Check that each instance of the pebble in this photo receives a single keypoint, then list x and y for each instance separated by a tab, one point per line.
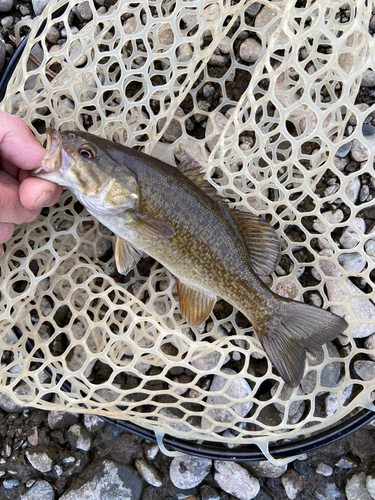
292	484
370	484
53	34
41	489
215	125
189	149
350	237
264	18
250	50
212	12
359	151
344	150
130	25
225	45
286	394
93	423
324	469
287	288
327	490
60	419
370	345
352	189
39	6
237	389
365	369
364	192
79	437
151	451
84	11
149	473
368	78
40	460
188	471
355	488
3	50
174	129
236	480
106	479
7	21
207	362
361	108
77	56
208	493
253	9
32	436
266	468
330	374
352	262
370	248
6	5
346	463
10	483
333	218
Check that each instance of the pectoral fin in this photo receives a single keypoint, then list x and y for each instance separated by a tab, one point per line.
126	256
151	227
195	304
261	241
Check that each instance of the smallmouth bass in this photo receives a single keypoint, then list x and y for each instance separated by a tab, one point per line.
177	218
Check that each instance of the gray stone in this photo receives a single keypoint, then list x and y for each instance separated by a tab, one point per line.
78	57
370	345
93	423
212	12
365	369
346	463
39	490
352	189
327	490
39	6
368	78
359	151
6	5
79	437
355	488
10	483
250	50
266	469
292	484
8	404
215	125
330	374
130	25
33	436
40	460
352	262
3	50
189	149
324	469
60	419
370	248
188	471
7	21
236	480
350	237
149	473
253	9
238	389
344	150
334	218
370	484
53	34
106	480
265	18
84	11
207	362
174	129
286	394
208	493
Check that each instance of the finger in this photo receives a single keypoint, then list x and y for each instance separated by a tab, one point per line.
11	209
6	232
37	193
17	144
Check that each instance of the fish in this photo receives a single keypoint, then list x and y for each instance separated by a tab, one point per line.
177	217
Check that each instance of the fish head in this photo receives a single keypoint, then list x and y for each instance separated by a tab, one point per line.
73	160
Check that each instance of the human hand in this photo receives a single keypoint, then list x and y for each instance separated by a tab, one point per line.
21	196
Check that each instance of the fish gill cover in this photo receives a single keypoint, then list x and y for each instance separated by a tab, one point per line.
263	95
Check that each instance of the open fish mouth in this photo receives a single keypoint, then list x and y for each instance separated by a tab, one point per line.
52	160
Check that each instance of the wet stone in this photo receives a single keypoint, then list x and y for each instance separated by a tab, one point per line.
346	463
236	480
355	488
40	460
40	490
292	484
266	469
61	419
188	471
324	469
79	437
303	467
208	493
149	473
53	34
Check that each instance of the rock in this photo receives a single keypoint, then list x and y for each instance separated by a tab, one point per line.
352	189
184	52
7	404
333	218
93	423
189	149
350	237
292	484
188	471
287	288
352	262
106	480
253	9
3	51
250	50
324	469
79	437
53	34
327	490
40	460
370	484
84	11
331	403
236	480
208	493
368	78
130	25
207	362
212	12
355	488
370	345
6	6
174	129
60	419
330	374
32	436
78	57
41	489
238	389
7	22
225	45
264	18
359	151
215	125
346	463
149	473
286	394
370	248
266	468
344	150
166	35
365	369
39	6
10	483
151	451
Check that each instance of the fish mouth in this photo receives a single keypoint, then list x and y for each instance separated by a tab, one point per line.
52	160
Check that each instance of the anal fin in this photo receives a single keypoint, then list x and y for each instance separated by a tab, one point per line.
126	256
195	304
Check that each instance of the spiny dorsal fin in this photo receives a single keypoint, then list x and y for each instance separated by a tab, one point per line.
195	304
126	256
261	241
192	170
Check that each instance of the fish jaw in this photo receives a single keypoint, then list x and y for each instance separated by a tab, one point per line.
56	161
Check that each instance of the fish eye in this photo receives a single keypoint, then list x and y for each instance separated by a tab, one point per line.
87	153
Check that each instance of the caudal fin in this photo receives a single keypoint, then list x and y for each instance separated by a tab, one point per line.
293	328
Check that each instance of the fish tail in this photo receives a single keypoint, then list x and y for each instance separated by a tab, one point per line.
294	327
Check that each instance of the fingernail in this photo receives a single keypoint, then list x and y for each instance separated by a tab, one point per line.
43	199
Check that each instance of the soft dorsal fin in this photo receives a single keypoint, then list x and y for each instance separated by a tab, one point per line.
192	170
195	304
261	241
126	256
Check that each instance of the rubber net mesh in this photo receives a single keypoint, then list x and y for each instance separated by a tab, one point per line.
264	96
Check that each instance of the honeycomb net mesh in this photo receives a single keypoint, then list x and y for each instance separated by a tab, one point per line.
272	134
